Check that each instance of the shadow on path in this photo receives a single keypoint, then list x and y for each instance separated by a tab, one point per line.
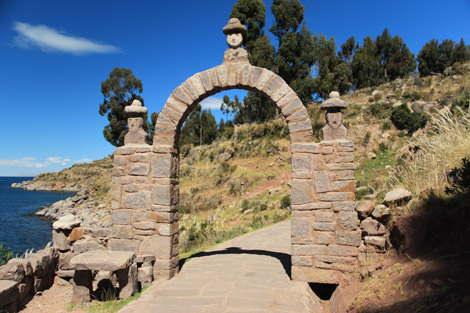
284	258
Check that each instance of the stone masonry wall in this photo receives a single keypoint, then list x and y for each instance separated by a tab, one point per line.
325	234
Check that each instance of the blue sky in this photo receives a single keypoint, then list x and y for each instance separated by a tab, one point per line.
55	54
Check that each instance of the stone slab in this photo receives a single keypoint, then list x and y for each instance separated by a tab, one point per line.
102	260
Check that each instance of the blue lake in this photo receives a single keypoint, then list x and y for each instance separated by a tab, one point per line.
20	230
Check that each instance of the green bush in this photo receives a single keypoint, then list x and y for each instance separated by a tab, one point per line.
459	179
285	202
5	255
404	119
381	109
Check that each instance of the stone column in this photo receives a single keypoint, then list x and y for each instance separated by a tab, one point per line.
325	233
131	189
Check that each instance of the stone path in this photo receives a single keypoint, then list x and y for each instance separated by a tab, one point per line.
246	274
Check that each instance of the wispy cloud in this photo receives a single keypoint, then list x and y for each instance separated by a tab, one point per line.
212	103
33	163
49	39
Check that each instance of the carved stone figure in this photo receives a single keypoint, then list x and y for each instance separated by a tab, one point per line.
235	32
136	133
334	128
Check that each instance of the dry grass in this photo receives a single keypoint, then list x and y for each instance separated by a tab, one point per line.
440	149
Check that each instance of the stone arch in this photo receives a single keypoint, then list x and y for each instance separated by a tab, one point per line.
231	76
325	237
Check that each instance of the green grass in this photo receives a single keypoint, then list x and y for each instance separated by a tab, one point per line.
112	305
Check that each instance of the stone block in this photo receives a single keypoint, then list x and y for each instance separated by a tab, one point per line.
25	289
28	269
302	125
146	225
167	229
65	273
119	161
102	260
8	293
138	200
145	275
343	206
344	158
323	237
60	240
292	107
160	246
317	275
335	259
337	196
76	234
348	219
123	245
138	169
302	260
180	94
301	227
309	249
206	80
190	89
311	148
324	226
335	266
166	264
164	165
301	137
121	217
82	283
302	162
121	232
343	186
131	188
364	208
341	166
341	250
277	89
124	150
12	271
322	182
86	245
377	241
165	195
324	216
222	75
311	206
372	227
302	191
348	237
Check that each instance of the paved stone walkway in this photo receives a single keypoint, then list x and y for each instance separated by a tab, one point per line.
245	274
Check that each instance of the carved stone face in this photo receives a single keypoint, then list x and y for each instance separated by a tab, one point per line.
135	123
334	120
234	40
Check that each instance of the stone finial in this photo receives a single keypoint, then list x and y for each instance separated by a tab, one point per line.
135	122
235	32
334	128
136	108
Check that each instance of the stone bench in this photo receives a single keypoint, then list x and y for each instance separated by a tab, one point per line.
120	262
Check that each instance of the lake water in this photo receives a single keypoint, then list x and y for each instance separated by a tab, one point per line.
20	230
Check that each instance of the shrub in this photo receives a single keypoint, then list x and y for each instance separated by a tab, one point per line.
5	255
459	179
366	139
386	126
285	202
404	119
381	109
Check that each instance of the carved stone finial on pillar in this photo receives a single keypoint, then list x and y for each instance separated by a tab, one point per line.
136	134
235	32
334	128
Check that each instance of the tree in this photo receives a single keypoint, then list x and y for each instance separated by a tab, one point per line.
462	52
365	66
200	128
288	15
251	13
428	58
119	90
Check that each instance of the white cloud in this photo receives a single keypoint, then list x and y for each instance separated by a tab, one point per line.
51	40
212	103
31	162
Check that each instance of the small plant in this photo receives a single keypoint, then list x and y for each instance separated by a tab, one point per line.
5	254
366	139
386	126
383	147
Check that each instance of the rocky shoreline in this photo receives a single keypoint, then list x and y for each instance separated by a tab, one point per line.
83	205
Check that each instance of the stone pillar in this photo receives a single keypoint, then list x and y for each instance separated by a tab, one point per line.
325	233
131	191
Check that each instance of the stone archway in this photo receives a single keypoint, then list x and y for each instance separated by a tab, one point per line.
325	236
